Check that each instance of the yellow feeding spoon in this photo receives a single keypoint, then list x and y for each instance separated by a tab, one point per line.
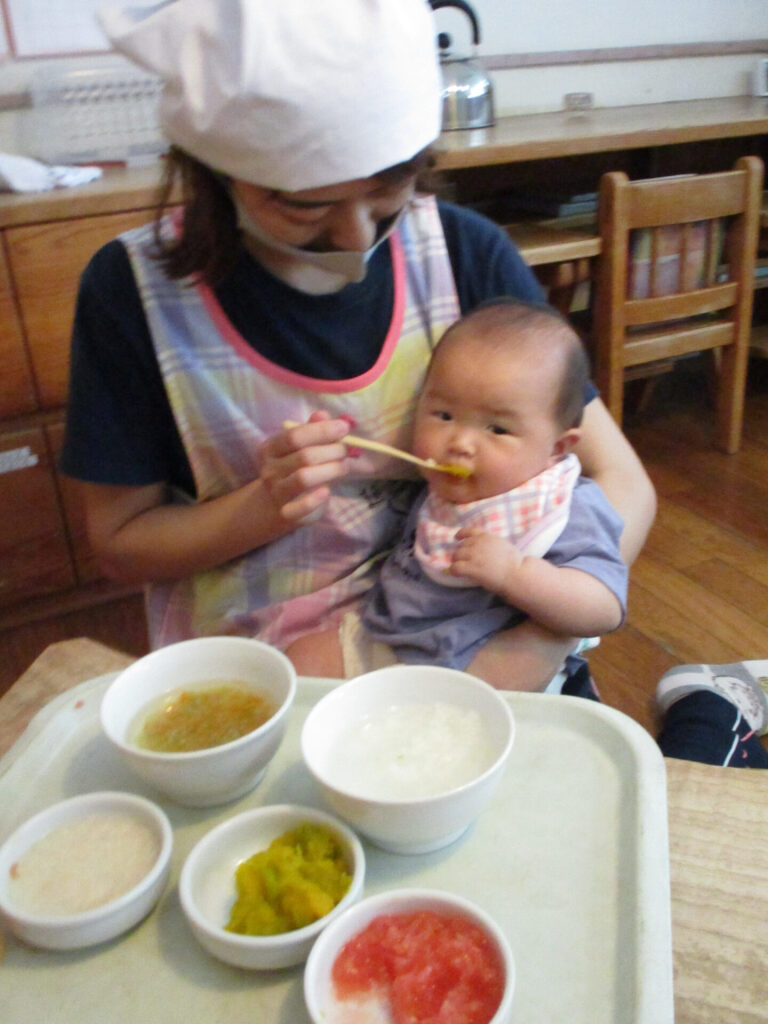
385	449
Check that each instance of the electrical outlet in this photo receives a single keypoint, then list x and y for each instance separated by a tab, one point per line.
579	100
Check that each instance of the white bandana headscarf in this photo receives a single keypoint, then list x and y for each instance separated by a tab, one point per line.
532	516
290	94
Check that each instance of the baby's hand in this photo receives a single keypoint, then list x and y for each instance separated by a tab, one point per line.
485	559
299	462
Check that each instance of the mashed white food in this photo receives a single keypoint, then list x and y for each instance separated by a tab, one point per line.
83	865
411	751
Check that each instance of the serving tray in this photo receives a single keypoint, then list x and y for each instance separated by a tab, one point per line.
571	859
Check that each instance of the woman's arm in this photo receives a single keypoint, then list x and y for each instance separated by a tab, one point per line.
139	535
609	459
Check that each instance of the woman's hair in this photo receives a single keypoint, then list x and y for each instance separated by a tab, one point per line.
507	322
207	243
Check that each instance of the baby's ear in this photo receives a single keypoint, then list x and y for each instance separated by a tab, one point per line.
565	443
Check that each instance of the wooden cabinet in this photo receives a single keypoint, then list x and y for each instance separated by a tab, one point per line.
35	556
45	242
47	261
17	395
86	570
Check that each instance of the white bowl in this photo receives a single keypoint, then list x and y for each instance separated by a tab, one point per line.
318	987
347	738
214	775
207	885
57	930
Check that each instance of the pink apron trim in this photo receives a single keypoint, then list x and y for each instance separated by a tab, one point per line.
298	380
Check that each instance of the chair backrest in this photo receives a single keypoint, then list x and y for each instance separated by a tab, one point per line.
676	276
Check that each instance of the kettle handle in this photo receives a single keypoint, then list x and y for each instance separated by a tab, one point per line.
462	6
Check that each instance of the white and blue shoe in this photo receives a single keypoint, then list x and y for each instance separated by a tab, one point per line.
744	684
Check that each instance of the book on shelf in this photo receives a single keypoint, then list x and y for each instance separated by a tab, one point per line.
674	258
544	203
553	204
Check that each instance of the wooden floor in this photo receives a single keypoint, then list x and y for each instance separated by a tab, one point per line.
698	592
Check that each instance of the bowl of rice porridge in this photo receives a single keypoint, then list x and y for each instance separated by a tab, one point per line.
409	755
84	870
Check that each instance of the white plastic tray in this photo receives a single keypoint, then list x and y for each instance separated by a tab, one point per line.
571	859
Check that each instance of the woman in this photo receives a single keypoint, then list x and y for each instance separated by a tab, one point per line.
307	281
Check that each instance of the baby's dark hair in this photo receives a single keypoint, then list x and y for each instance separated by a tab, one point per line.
509	321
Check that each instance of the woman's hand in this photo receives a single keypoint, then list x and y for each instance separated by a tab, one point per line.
299	463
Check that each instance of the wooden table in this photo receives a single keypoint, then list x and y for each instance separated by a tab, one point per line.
718	822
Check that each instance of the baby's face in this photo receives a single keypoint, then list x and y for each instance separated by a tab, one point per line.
490	411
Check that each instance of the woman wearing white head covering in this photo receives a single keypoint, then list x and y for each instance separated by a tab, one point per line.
306	280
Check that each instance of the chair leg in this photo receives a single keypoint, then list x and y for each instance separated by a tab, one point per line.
731	386
649	387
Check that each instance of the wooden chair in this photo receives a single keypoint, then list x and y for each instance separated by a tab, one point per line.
676	276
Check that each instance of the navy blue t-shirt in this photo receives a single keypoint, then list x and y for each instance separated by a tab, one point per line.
120	428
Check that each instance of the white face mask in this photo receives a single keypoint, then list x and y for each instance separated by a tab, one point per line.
316	273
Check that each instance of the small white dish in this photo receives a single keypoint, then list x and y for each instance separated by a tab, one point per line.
213	775
98	814
323	1005
364	748
207	885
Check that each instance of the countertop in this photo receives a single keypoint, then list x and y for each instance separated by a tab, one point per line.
570	133
718	824
511	139
119	188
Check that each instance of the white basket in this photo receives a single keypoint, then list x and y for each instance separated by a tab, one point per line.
97	115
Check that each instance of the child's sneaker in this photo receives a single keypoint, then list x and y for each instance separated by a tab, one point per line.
744	684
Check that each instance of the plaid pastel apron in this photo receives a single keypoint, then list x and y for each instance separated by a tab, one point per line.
227	399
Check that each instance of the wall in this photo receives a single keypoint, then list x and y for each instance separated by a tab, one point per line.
619	84
620	51
585	24
613	49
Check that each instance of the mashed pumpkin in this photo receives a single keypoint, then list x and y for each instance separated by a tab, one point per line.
299	878
198	719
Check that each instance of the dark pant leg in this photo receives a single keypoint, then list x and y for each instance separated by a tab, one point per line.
702	727
579	683
705	727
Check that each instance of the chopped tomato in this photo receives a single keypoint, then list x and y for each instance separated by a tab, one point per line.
431	968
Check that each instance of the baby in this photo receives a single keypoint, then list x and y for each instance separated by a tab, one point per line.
524	534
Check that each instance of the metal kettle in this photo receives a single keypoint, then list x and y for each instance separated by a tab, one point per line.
467	89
